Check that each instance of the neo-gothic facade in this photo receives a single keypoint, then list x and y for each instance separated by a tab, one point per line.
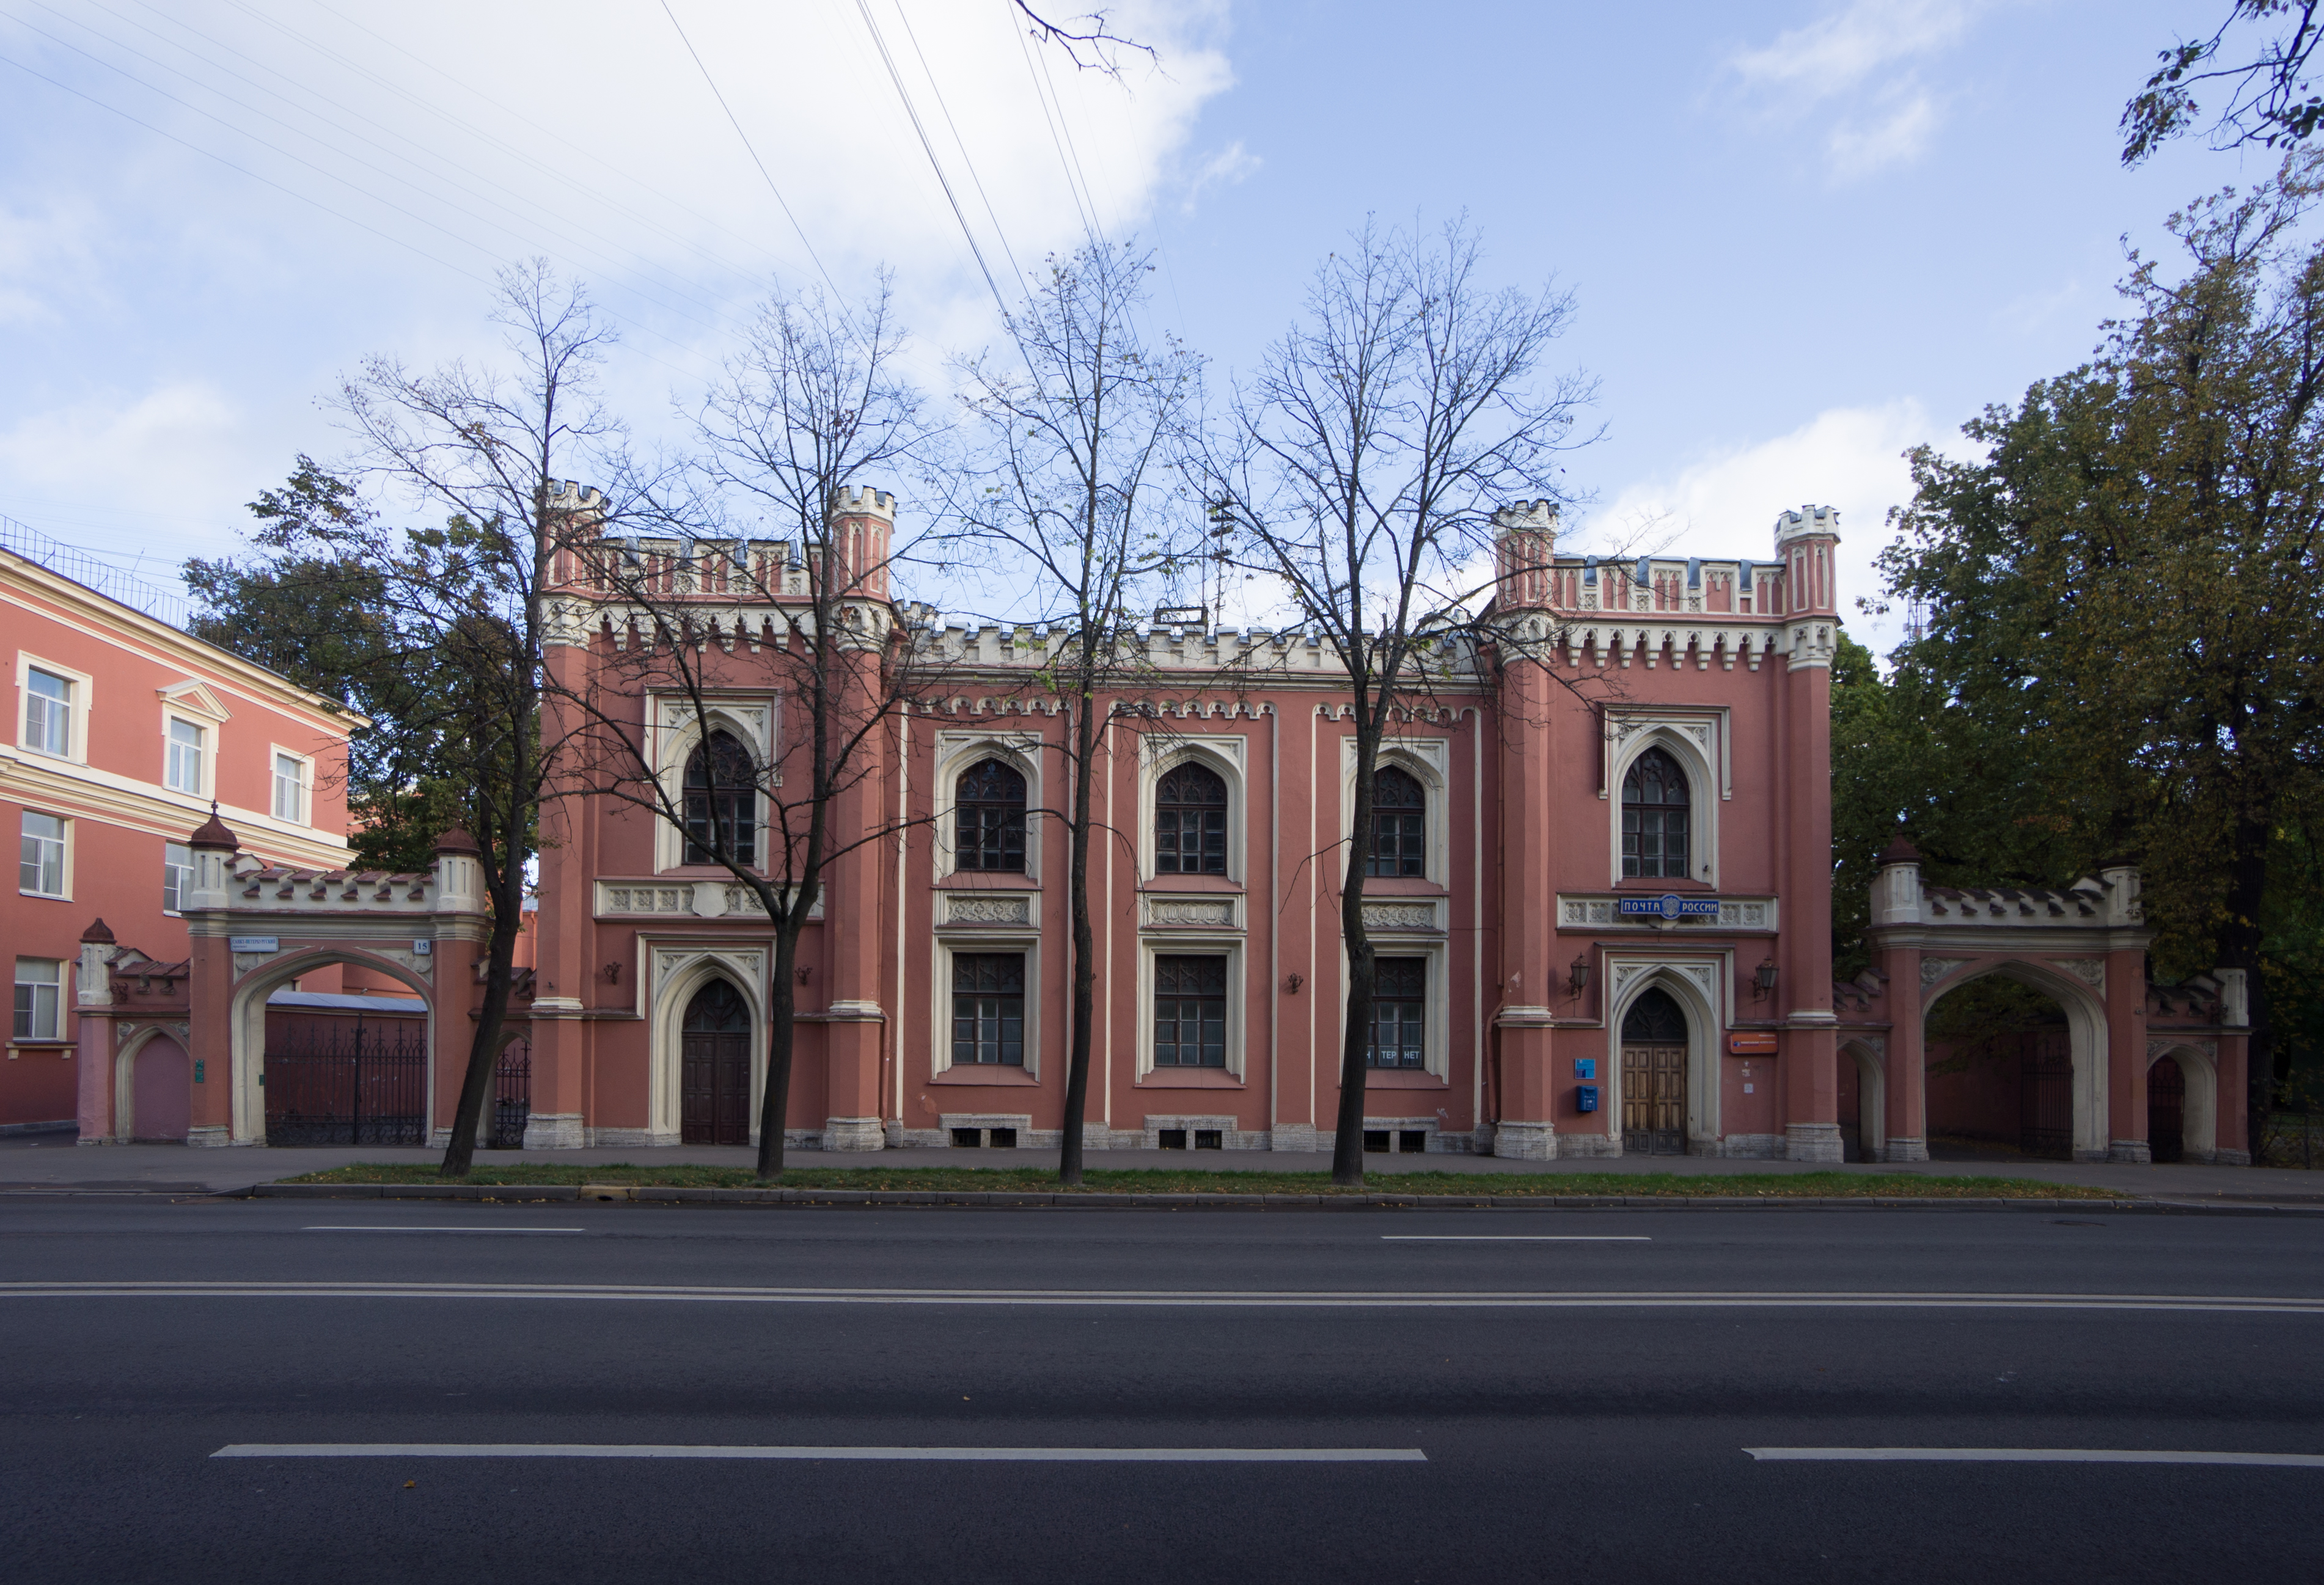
1600	881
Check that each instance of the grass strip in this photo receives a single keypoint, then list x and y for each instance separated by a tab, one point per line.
1169	1181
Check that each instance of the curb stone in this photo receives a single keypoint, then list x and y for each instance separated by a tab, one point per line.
1016	1199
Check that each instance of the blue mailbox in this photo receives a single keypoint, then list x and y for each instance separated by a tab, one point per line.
1585	1097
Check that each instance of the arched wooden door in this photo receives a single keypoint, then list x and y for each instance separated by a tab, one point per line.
714	1068
2167	1109
1653	1076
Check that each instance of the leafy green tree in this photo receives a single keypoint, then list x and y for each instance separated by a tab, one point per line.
2266	95
328	624
2123	643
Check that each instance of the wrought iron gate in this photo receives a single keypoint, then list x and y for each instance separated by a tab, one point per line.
2166	1110
2045	1093
512	1096
348	1083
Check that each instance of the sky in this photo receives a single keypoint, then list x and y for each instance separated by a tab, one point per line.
1803	234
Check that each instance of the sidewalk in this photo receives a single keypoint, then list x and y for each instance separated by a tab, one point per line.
31	1163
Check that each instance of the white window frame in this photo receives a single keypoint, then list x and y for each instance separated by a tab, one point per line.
1160	751
955	752
752	721
1693	740
1427	760
185	886
276	755
204	752
56	988
986	940
1191	943
64	841
78	687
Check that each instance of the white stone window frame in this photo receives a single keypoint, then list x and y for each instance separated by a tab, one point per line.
1193	943
275	754
1428	761
983	939
1699	740
65	869
679	970
956	752
754	721
193	704
1702	984
1160	752
80	692
1437	1032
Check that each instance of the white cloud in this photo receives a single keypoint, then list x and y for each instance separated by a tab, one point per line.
1724	502
1835	54
150	453
1229	166
1856	66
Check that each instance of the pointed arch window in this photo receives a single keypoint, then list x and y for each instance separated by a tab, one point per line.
989	829
1399	834
1190	822
1655	815
722	802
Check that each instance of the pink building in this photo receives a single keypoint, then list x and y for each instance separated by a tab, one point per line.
1601	890
123	732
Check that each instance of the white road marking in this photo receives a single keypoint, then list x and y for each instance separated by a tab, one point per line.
1006	1455
2022	1455
1516	1237
380	1228
1163	1298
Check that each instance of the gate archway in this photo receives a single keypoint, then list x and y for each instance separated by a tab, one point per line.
2084	947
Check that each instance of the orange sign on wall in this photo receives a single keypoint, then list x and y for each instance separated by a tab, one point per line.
1757	1043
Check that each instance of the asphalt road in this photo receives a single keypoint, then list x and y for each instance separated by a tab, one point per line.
1423	1395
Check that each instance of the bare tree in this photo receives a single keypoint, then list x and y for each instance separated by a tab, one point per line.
1075	487
772	578
1370	456
483	448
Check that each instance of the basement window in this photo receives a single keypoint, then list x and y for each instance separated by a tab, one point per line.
1004	1139
1375	1139
1412	1141
967	1138
1172	1138
1210	1140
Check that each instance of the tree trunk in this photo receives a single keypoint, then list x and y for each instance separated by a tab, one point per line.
1348	1140
1081	760
484	1048
782	1025
2239	948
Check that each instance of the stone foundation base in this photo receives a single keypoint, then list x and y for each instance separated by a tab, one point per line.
630	1139
1741	1148
854	1133
2231	1157
1906	1150
554	1131
1300	1137
2129	1150
1813	1142
213	1136
1586	1147
1520	1141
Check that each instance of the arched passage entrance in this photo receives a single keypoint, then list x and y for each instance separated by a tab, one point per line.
2083	947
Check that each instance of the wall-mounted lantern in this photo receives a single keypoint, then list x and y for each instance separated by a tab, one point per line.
1291	983
612	973
1764	978
1577	977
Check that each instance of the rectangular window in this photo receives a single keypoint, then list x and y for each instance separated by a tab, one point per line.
48	714
182	770
1190	1012
40	866
177	875
1400	1013
40	982
290	789
988	1008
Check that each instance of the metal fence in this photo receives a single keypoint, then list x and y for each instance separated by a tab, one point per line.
88	570
512	1096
